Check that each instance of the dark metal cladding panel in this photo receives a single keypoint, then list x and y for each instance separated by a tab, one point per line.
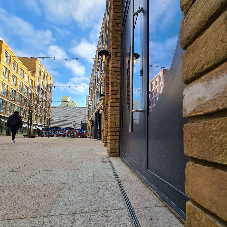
154	150
166	159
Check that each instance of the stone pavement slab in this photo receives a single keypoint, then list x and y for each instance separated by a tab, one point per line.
69	182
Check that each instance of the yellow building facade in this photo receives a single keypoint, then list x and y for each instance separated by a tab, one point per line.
25	85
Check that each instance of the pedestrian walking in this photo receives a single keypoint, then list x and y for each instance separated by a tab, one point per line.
14	123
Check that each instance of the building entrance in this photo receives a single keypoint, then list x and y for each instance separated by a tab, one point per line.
151	118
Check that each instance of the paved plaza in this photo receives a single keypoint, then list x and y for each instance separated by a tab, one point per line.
70	182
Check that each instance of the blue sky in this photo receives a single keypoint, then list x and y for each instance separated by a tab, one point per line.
56	28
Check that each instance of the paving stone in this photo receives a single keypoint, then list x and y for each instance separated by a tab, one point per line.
67	182
28	201
58	221
104	218
34	222
161	216
88	197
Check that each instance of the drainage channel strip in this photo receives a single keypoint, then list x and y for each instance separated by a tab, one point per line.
130	209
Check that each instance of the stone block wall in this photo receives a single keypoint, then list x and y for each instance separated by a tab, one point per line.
114	78
204	69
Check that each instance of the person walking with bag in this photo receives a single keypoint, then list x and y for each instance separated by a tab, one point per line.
14	123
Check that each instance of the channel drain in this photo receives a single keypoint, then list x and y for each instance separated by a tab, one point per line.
130	209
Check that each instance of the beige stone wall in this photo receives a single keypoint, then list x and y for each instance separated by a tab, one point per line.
110	80
114	78
204	70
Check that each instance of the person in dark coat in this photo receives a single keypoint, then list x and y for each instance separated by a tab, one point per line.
14	123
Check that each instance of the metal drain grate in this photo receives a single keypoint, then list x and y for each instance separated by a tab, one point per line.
130	209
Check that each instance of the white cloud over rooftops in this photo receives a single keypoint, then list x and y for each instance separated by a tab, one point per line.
77	68
56	51
84	50
74	88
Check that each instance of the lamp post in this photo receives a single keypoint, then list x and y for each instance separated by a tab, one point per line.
104	54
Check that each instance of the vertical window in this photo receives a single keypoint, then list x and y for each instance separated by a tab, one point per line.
37	89
26	77
24	102
20	85
35	118
46	77
11	108
156	82
40	110
19	97
160	78
43	74
41	101
21	73
40	118
38	70
161	88
15	66
5	73
49	80
4	90
41	83
14	80
152	85
30	93
31	83
36	98
23	113
25	90
38	80
2	105
7	57
12	94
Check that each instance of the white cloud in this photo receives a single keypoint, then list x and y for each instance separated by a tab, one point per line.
34	6
95	33
85	12
75	88
11	25
77	68
85	50
62	31
56	51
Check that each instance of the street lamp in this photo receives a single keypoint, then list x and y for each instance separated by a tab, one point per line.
104	54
